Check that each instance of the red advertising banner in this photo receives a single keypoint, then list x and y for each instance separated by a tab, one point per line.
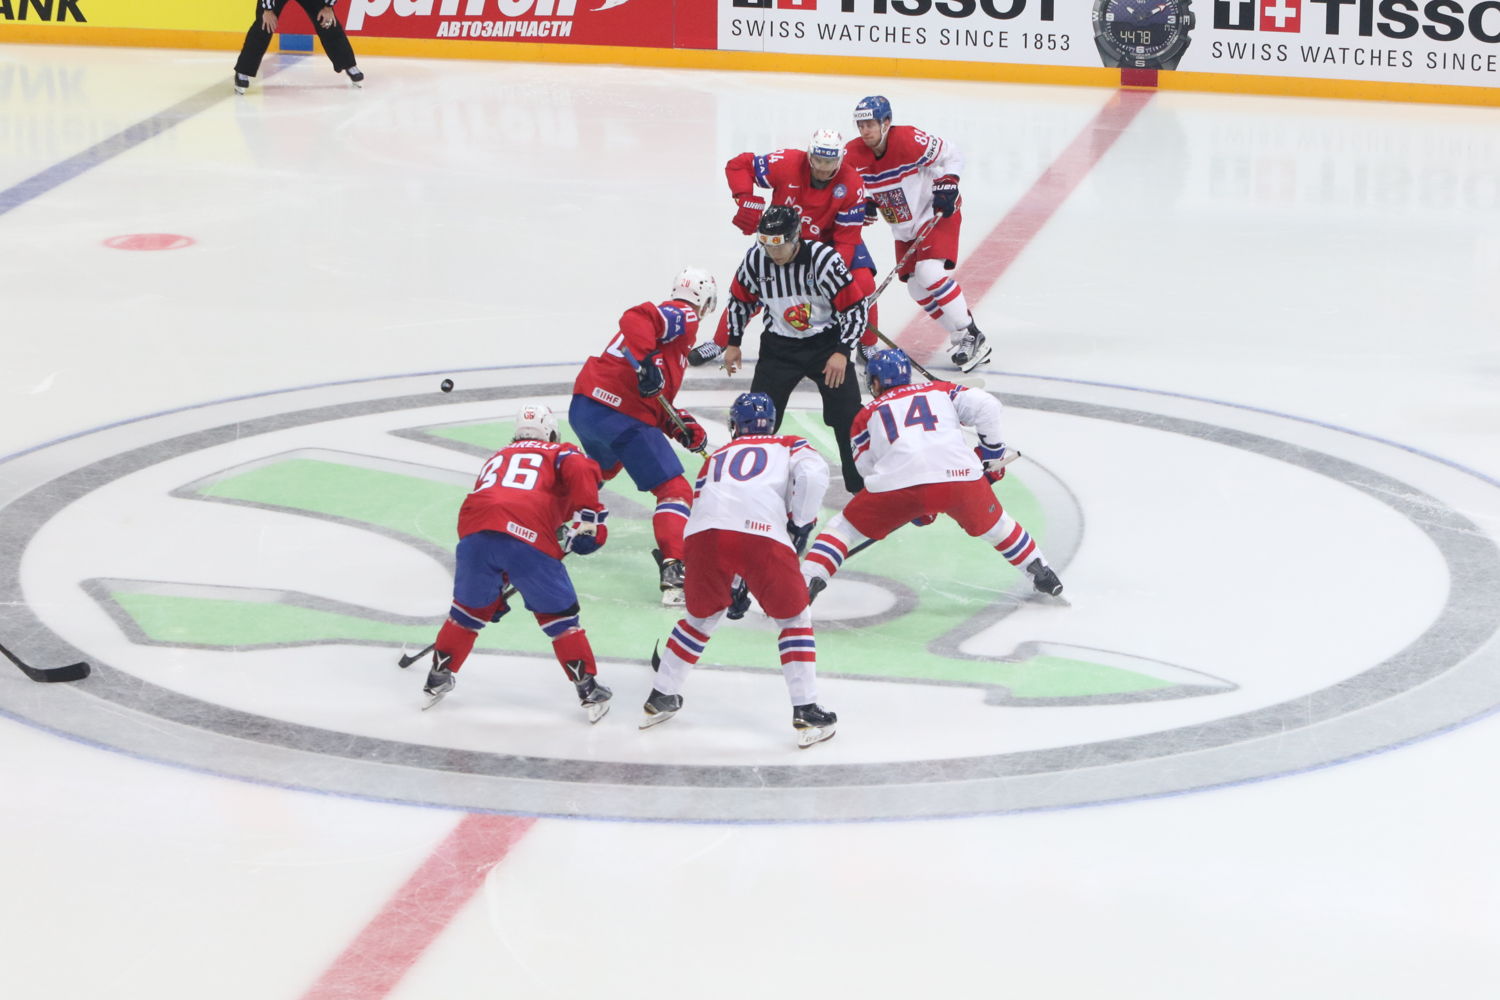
651	23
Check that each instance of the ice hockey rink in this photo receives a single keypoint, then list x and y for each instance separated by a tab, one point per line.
1248	347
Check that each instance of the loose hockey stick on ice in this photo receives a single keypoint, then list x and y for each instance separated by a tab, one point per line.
48	675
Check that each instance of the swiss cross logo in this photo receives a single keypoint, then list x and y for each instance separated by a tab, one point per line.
1280	15
799	316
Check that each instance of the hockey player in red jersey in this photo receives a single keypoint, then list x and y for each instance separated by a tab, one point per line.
756	501
911	178
508	531
827	193
619	418
910	447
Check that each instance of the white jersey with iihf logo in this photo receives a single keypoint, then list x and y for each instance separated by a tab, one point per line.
755	482
913	434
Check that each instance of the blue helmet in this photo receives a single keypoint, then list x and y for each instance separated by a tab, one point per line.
874	108
752	413
891	368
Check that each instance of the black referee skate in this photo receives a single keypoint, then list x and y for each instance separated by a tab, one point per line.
659	708
241	83
972	350
813	724
1043	579
356	77
594	697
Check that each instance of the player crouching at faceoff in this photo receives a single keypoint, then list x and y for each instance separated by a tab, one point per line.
755	504
622	410
910	447
508	530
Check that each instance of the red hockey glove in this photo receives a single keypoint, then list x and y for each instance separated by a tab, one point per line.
995	460
692	436
945	195
748	217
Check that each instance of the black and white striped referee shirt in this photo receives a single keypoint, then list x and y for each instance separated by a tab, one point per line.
803	298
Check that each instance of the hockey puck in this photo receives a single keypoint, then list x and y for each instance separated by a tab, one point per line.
447	385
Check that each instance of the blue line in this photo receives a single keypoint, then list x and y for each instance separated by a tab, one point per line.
121	142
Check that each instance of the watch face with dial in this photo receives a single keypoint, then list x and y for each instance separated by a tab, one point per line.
1142	32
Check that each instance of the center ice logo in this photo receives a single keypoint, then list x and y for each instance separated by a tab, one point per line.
1252	595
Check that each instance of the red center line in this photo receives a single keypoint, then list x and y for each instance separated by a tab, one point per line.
411	920
921	337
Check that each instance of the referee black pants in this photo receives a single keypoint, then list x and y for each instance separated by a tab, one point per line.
258	39
785	361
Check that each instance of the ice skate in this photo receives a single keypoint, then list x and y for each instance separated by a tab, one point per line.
440	681
659	708
813	724
1043	579
356	77
971	351
815	586
594	697
672	576
241	83
739	601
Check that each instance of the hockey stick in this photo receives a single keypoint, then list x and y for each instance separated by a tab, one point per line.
668	408
910	251
48	675
967	383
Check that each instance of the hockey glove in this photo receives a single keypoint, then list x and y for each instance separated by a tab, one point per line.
588	532
691	435
748	217
995	460
872	211
924	520
799	534
945	195
739	600
704	353
649	379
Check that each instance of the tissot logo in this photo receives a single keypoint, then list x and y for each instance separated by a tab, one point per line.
1001	10
243	576
1438	20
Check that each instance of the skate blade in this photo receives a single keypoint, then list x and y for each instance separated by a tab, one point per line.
647	721
673	598
597	711
979	359
808	737
433	699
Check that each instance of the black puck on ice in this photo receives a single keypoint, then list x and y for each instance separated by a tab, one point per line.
447	385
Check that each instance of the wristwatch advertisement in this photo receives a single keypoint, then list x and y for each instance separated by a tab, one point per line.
1142	34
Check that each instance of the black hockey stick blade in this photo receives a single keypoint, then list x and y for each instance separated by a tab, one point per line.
48	675
407	661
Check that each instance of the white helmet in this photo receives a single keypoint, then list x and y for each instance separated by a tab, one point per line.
826	144
535	422
697	286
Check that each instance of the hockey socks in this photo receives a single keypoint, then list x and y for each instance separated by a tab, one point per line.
799	657
570	644
669	520
1012	541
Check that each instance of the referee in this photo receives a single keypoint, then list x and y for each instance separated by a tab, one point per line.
815	316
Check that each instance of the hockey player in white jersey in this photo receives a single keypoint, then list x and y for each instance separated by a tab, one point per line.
910	448
754	506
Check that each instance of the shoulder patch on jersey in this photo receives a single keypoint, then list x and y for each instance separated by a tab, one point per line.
674	320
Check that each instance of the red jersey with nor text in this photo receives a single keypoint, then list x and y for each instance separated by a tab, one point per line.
528	489
832	214
667	330
900	179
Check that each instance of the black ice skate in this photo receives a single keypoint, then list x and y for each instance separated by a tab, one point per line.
815	586
356	77
594	697
659	708
440	680
813	724
241	83
1043	579
672	576
971	351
